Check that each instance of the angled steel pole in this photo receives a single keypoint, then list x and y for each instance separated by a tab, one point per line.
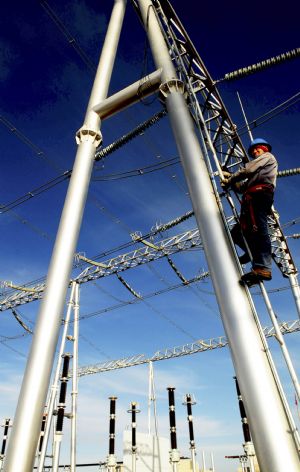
26	429
272	433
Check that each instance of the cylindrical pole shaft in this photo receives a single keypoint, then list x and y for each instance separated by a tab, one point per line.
25	433
295	290
54	387
279	337
269	423
245	118
74	392
149	396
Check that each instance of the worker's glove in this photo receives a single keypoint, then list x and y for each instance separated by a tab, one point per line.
225	182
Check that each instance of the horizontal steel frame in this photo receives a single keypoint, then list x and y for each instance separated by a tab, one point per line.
287	327
129	95
181	242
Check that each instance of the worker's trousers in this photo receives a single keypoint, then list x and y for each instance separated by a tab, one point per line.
254	229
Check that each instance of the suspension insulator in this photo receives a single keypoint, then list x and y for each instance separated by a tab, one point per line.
237	74
288	172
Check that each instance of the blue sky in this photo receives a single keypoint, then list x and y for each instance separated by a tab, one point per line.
45	86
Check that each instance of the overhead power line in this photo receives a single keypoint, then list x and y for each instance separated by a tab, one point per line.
138	172
70	39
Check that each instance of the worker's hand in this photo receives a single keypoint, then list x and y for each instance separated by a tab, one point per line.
225	181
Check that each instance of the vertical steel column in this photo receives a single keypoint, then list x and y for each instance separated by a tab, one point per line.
174	453
133	412
25	433
74	392
295	290
267	415
111	459
189	402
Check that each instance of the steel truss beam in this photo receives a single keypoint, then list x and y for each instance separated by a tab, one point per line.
181	242
286	327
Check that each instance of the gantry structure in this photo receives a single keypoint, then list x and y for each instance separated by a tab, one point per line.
208	144
196	347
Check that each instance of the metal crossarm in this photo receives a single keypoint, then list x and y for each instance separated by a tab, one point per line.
172	245
189	239
286	327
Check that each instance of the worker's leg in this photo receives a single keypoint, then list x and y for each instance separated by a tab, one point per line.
239	240
259	241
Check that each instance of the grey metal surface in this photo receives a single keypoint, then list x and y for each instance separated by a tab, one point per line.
129	95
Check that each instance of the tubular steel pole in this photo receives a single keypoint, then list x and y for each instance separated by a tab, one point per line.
111	460
26	429
189	402
74	392
295	290
279	337
174	453
267	414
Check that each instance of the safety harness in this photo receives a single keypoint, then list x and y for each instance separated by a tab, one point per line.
247	218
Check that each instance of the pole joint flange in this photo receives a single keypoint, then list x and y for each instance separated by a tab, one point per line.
84	134
173	85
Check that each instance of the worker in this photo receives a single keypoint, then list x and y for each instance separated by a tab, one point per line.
256	181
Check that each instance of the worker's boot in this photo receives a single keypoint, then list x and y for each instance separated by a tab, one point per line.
256	275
